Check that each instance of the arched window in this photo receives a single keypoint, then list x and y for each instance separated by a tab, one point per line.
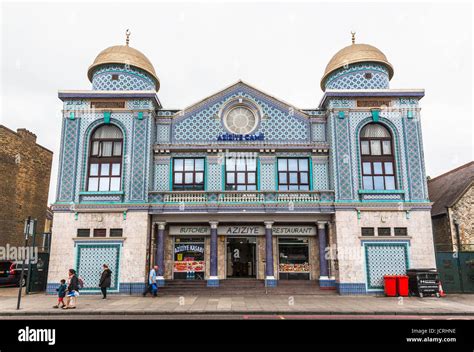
105	159
378	163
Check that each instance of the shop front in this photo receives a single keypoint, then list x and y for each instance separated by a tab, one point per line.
189	252
294	248
242	251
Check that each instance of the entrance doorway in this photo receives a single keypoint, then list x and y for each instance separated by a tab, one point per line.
241	255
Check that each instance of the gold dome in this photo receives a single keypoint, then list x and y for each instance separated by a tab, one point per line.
124	54
355	53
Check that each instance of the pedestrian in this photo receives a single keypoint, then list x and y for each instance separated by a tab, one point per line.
61	294
72	290
105	280
152	287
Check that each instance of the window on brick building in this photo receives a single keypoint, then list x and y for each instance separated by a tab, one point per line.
378	163
105	159
293	174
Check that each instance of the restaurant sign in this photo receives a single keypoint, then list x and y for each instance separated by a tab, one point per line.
281	230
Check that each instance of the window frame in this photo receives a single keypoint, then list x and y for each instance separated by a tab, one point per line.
382	158
107	160
299	184
190	186
233	186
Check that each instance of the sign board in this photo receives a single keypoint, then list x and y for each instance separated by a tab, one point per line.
242	230
290	230
187	230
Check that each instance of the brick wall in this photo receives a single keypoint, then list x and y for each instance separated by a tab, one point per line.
25	169
463	211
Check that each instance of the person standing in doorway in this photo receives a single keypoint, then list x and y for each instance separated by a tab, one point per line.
152	286
105	280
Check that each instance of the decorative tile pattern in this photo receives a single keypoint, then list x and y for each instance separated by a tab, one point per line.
140	155
267	176
318	132
384	259
344	288
163	133
281	124
68	163
397	197
161	179
343	159
89	261
417	177
129	78
354	77
139	104
214	177
101	198
320	176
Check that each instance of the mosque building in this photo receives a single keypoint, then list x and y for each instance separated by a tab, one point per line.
241	184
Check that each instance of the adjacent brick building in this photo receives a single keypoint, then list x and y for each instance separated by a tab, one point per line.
25	170
453	213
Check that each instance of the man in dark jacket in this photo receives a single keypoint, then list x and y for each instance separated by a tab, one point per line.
105	280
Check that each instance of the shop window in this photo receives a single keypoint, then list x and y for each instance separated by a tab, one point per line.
293	259
189	261
378	163
116	232
293	174
241	174
368	231
100	232
188	174
401	231
105	159
383	231
83	232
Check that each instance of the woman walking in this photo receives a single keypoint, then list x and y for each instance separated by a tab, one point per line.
105	280
72	290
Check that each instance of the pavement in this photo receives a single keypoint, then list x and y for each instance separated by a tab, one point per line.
40	304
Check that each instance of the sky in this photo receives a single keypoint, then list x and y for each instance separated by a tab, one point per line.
199	48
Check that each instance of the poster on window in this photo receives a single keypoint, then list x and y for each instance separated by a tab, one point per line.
189	257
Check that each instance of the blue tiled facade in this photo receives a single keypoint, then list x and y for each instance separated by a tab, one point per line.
327	136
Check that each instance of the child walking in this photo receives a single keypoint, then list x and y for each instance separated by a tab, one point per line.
61	294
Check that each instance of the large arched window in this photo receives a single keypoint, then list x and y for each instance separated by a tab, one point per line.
378	163
105	159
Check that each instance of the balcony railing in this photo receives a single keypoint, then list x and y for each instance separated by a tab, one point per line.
242	196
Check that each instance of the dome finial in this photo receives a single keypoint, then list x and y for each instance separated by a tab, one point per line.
353	37
127	34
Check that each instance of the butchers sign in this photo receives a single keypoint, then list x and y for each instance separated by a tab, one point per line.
189	230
